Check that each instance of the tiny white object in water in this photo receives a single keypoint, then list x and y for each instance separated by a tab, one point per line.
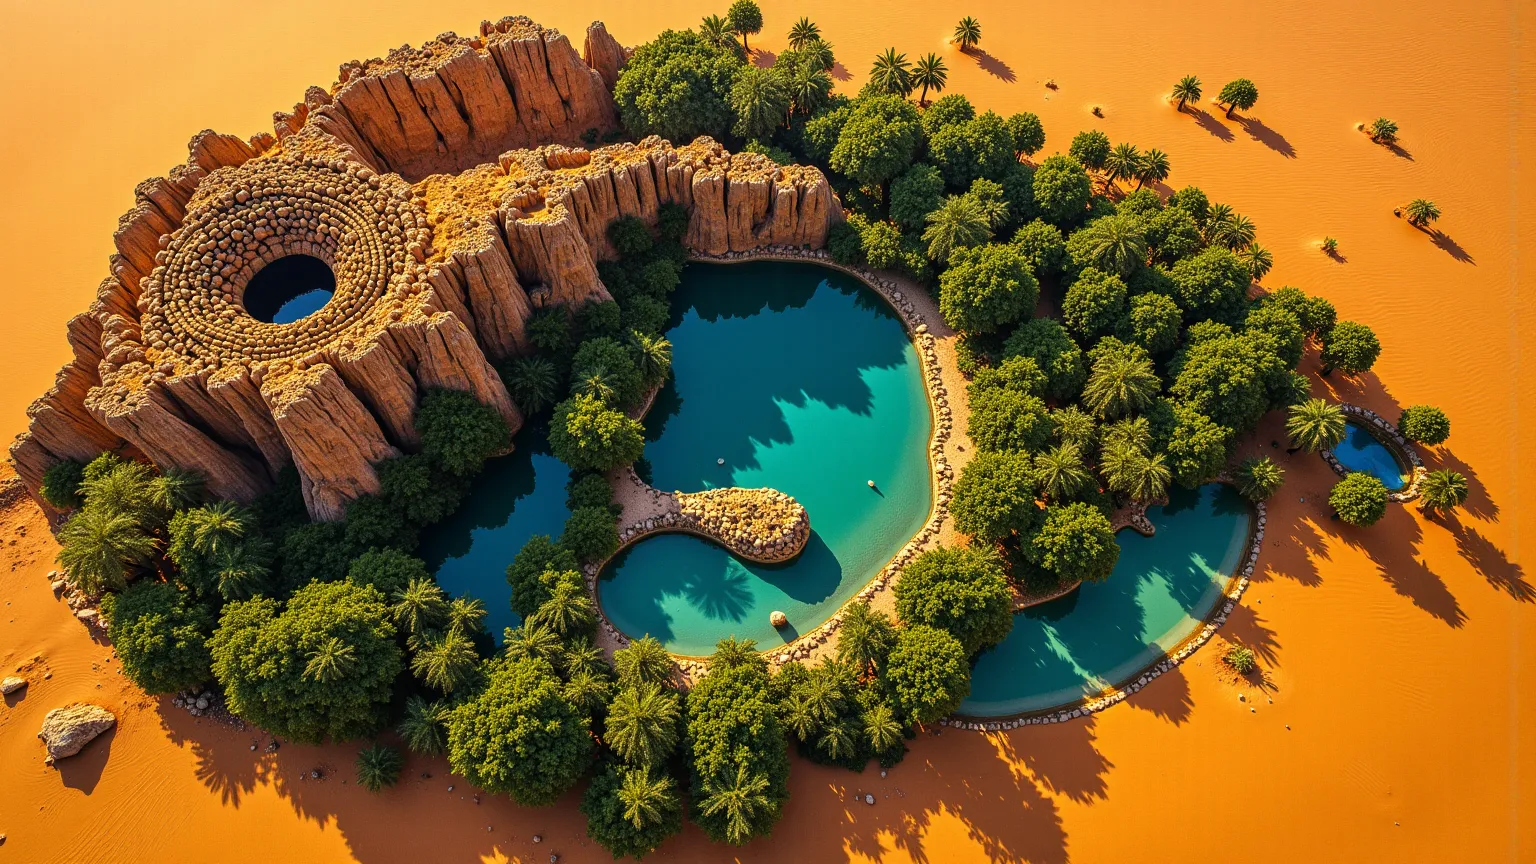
719	461
871	484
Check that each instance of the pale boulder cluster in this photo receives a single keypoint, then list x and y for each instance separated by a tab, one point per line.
761	525
413	180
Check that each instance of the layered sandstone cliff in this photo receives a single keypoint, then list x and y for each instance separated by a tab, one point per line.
434	278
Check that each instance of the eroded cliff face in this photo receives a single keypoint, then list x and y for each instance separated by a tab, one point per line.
442	241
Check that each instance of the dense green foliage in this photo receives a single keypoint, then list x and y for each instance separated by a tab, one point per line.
959	590
316	667
737	760
520	736
986	288
1359	499
590	436
61	484
1076	542
928	673
678	86
1424	424
160	636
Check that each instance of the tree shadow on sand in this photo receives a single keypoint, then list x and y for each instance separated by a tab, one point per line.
763	59
840	72
1205	121
1478	504
1491	562
1451	247
1267	136
1003	809
1167	697
1246	627
993	66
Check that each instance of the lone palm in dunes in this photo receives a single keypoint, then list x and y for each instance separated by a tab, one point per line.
1187	91
967	33
931	73
1421	212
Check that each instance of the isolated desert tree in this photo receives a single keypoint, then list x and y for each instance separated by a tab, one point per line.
1360	499
1425	424
745	18
1315	425
1421	212
967	33
1240	94
1350	347
1383	131
1187	91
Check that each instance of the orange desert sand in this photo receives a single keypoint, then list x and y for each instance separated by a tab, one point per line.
1401	658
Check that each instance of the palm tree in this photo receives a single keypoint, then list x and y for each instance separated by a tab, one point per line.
216	527
1187	91
598	384
1061	471
420	607
837	741
175	489
1258	478
568	610
655	354
1236	232
645	661
1121	163
1331	246
379	766
891	74
717	32
967	33
645	798
589	690
864	639
581	655
1258	260
822	696
958	223
425	726
1147	478
1135	433
1116	245
760	99
739	799
125	488
1421	212
802	33
818	52
99	547
642	724
1315	424
532	641
446	663
1121	385
243	568
1441	492
799	717
465	615
930	73
1383	131
533	383
810	88
1154	167
1218	220
731	651
1117	463
881	728
331	661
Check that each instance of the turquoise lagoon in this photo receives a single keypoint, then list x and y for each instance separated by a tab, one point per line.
517	496
1102	634
799	378
1362	451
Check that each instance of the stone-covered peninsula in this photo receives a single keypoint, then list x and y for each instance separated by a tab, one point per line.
446	189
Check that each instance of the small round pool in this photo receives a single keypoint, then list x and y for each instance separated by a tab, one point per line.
1362	451
290	288
517	496
799	378
1104	633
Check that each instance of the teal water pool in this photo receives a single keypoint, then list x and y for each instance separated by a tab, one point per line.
517	496
1362	451
1102	634
802	379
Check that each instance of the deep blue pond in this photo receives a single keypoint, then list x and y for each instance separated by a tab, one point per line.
1361	451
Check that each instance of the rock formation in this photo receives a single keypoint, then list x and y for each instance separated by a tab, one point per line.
442	240
762	525
67	730
12	684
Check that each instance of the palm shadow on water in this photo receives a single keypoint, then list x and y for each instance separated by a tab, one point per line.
738	373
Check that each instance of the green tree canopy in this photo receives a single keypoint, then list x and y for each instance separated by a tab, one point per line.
1062	190
520	736
160	636
976	148
265	658
589	436
1351	348
1239	94
1008	421
961	222
1046	342
745	17
1090	149
1076	542
1153	323
1028	133
677	86
986	288
961	590
458	432
1095	303
760	98
928	673
878	141
1043	248
1259	477
734	743
631	810
1359	499
1425	424
915	194
995	497
1211	284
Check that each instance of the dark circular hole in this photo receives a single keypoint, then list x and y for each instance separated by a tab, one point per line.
289	288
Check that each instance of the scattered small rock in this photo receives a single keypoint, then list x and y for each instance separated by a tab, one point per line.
538	838
869	799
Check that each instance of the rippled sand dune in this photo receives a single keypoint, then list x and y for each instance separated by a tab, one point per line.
1400	657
